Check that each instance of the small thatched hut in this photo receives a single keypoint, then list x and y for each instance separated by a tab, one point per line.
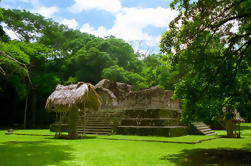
232	124
69	102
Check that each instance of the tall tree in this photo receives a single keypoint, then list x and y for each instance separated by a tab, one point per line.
87	64
209	45
119	74
27	26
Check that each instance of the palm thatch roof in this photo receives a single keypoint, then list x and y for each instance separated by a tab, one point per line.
236	117
80	95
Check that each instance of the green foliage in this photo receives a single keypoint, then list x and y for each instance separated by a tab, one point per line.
1	14
45	83
119	50
115	73
19	85
211	60
13	59
71	80
119	74
27	26
90	60
158	72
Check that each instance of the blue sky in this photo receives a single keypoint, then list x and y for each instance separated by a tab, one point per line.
139	22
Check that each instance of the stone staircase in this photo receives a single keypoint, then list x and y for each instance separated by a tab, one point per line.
203	128
161	122
81	125
98	123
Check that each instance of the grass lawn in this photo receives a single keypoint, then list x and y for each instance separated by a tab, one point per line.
25	150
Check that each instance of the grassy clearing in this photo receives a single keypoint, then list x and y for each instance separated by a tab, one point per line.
24	150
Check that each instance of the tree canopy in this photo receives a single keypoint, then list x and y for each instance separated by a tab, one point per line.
209	46
47	53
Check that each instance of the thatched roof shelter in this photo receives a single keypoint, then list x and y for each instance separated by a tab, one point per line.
80	95
237	117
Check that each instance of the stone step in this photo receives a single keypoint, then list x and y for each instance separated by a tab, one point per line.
152	126
203	127
150	123
107	123
99	120
100	123
200	125
99	127
98	133
207	132
103	116
93	131
97	130
103	113
203	130
150	119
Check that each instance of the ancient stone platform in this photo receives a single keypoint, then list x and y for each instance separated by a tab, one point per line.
144	112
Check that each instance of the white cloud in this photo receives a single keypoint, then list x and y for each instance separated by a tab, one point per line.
101	31
112	6
130	23
72	23
35	3
37	7
9	32
46	11
235	27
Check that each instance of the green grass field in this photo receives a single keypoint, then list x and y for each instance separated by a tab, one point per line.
26	150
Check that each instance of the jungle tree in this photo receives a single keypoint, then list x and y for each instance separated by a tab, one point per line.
208	44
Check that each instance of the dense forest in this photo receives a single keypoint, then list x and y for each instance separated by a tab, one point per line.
202	60
48	53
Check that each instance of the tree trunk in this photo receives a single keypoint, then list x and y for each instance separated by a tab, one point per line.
73	117
229	128
25	112
34	108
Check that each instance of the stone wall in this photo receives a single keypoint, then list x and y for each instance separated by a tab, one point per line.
120	96
144	112
152	98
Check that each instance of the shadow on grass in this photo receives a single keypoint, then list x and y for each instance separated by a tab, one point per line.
216	157
66	137
248	147
33	153
245	127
